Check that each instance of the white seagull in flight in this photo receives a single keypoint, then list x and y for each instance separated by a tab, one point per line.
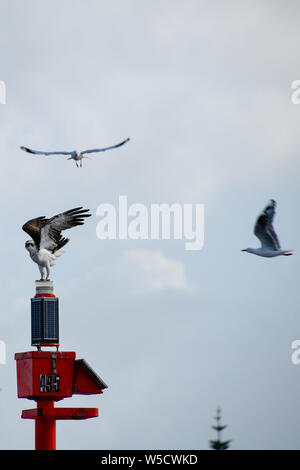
265	232
47	240
75	154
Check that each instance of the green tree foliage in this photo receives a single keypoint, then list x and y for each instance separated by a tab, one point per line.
218	444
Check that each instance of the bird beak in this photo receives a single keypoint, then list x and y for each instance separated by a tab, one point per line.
243	250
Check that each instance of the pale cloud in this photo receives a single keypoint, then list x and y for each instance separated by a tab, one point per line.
158	271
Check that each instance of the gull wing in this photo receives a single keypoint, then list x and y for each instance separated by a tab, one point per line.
264	227
51	237
105	148
37	152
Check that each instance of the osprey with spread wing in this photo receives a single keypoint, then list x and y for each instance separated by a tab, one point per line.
47	239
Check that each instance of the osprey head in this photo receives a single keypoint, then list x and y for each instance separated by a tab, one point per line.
30	246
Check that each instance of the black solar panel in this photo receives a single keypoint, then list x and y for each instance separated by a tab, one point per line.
36	320
50	319
44	320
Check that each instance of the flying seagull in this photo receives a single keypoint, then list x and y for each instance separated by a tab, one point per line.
47	240
266	234
75	154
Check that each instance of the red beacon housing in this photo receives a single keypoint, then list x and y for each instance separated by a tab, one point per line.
50	376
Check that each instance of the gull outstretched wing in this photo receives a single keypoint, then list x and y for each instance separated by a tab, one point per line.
106	148
37	152
264	227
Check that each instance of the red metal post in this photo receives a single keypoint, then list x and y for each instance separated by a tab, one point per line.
45	427
50	376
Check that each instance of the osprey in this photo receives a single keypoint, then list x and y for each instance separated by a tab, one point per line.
75	154
47	240
266	234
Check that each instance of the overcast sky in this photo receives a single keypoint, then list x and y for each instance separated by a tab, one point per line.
203	89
